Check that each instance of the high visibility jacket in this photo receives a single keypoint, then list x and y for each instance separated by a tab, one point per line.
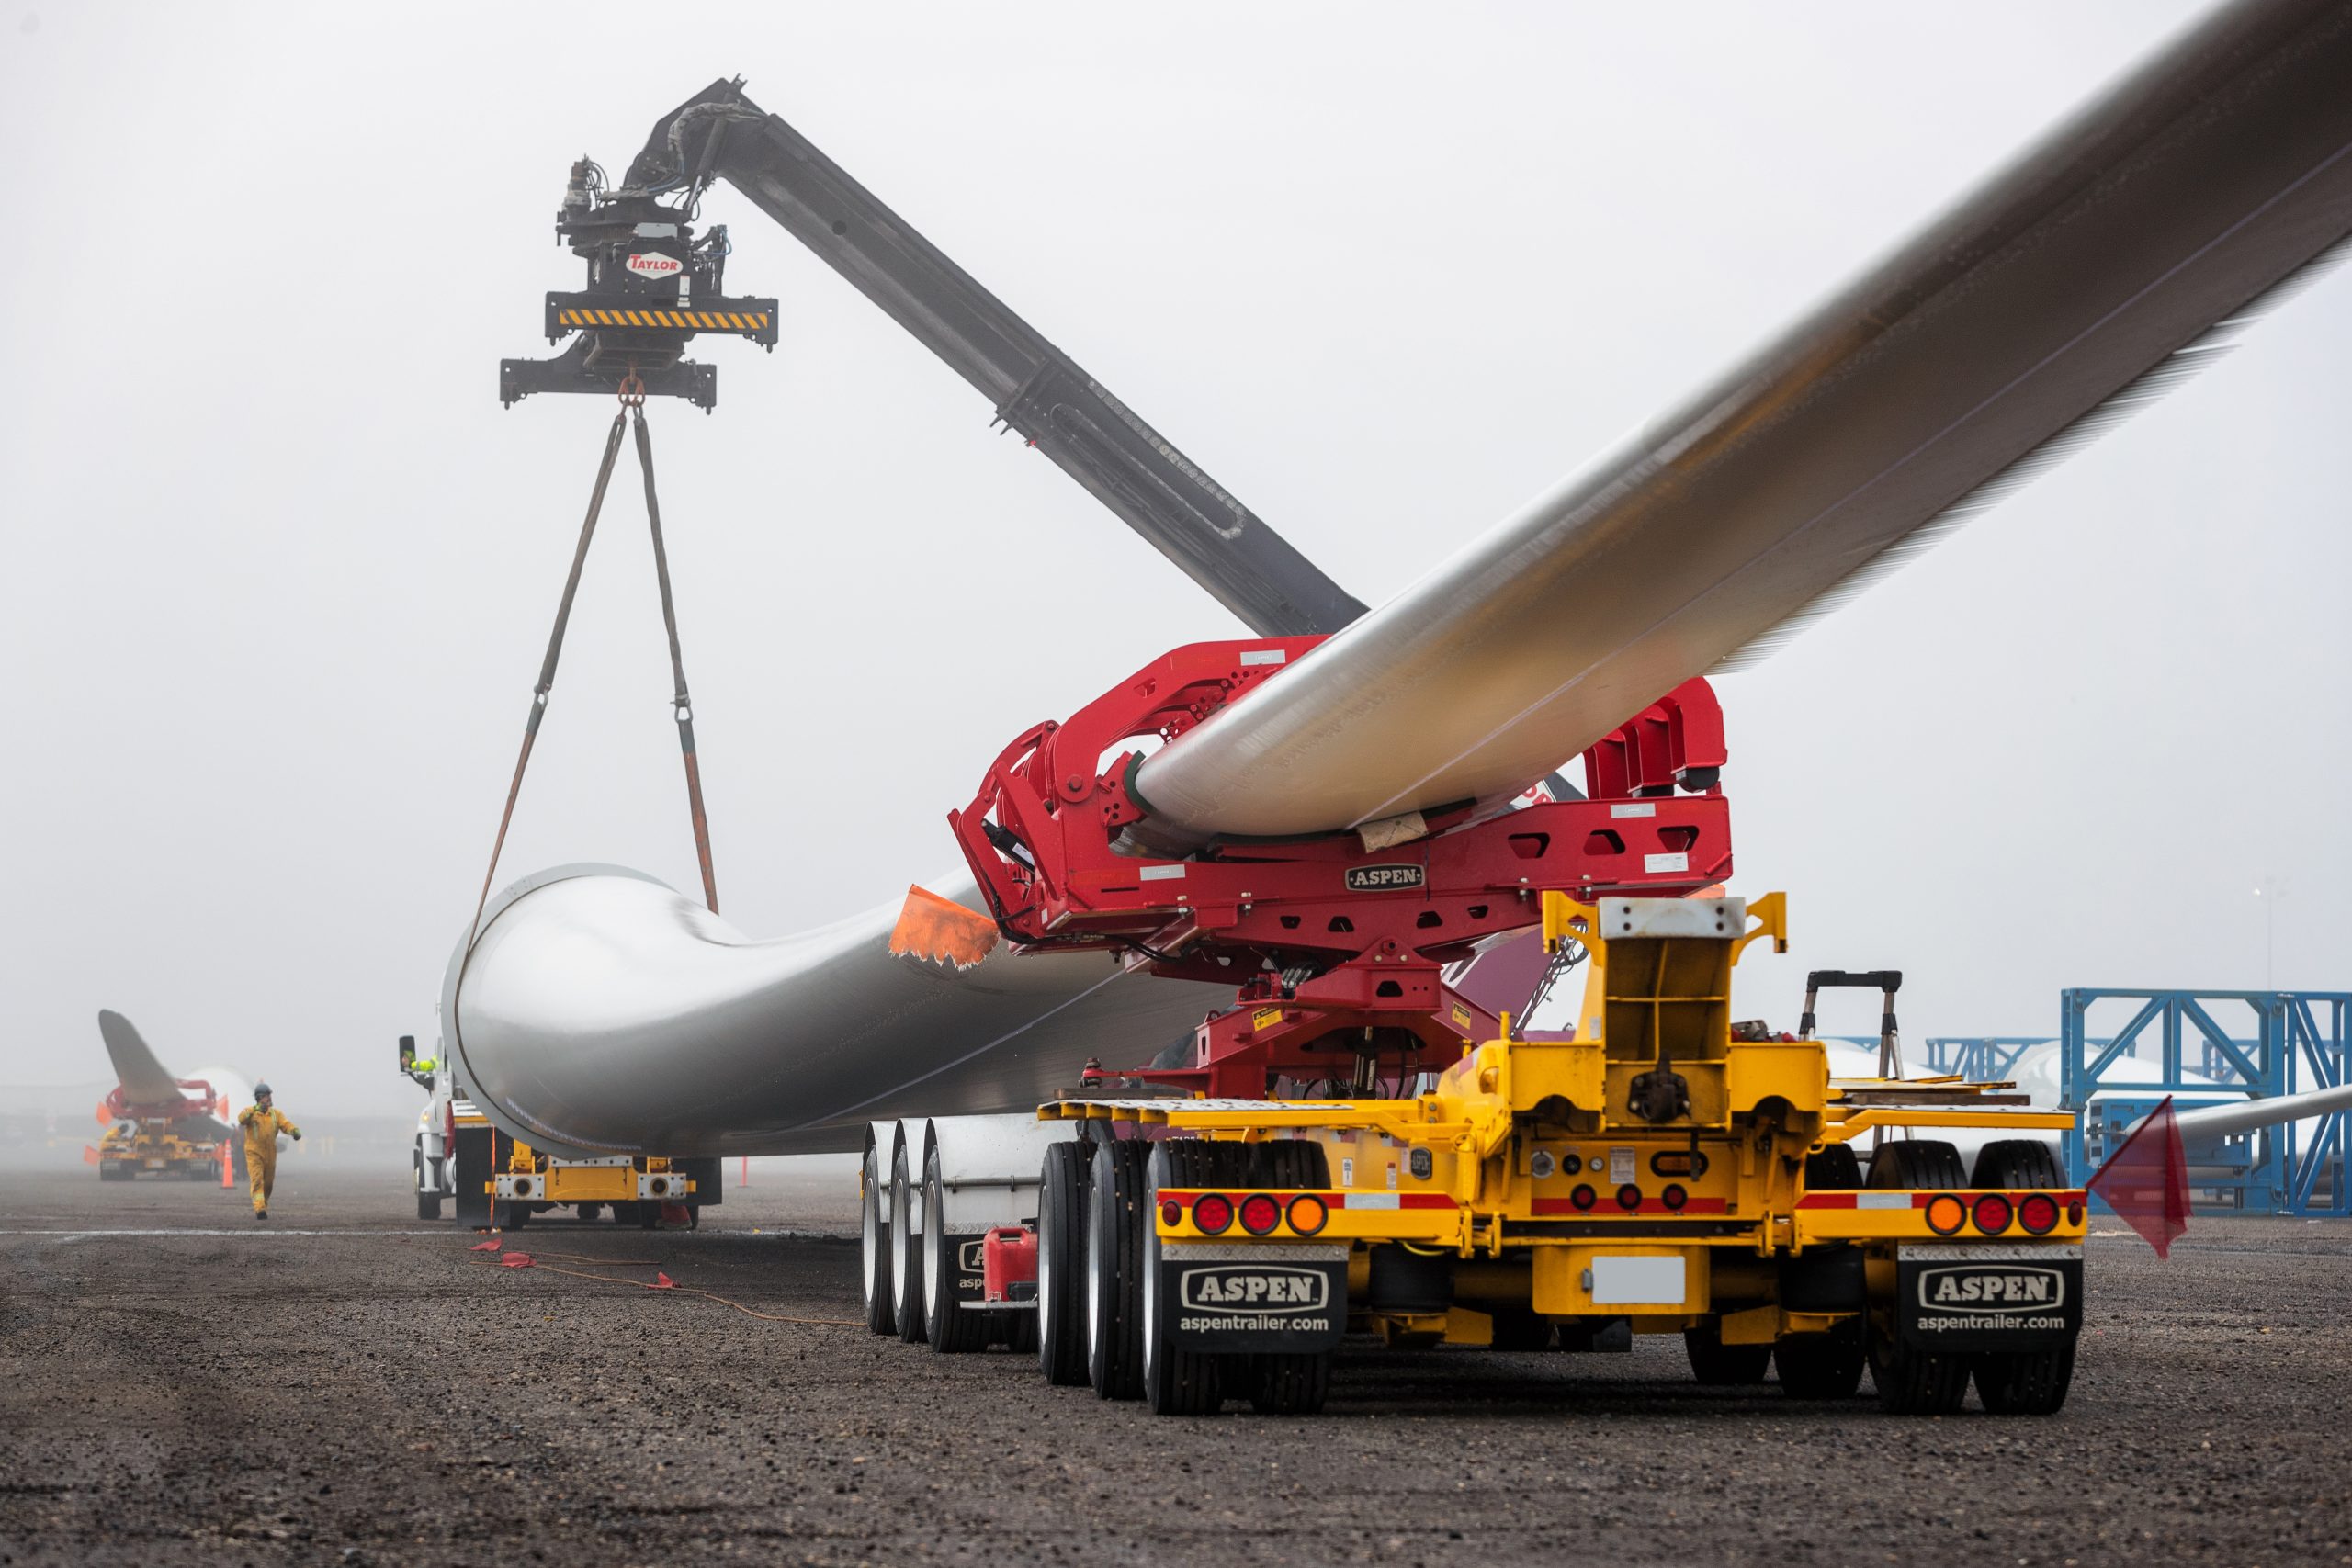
261	1128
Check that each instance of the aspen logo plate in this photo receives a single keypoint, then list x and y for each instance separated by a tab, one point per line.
1382	878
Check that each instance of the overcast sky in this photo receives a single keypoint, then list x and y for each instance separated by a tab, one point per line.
278	568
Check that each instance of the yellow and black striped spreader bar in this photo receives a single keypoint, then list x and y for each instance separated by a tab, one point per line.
753	319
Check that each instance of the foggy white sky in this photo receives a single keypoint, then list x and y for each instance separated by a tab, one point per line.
278	568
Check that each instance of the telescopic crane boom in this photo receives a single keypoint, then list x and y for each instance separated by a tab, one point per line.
1035	389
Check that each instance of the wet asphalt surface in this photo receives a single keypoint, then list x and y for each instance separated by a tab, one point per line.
376	1393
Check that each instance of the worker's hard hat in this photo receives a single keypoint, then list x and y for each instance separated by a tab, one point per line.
261	1091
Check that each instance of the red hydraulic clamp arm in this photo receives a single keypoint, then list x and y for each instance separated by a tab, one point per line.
1043	838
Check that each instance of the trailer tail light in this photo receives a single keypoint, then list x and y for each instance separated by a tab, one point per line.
2074	1213
1629	1197
1260	1213
1212	1213
1994	1213
2038	1213
1945	1214
1583	1197
1674	1197
1308	1213
1171	1212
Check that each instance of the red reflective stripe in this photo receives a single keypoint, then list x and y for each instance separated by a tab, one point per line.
1427	1201
1827	1201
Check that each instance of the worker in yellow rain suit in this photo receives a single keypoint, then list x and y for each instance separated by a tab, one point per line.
263	1122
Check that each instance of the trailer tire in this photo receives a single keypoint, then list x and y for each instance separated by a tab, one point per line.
1296	1383
1521	1329
1061	1265
2022	1382
1821	1366
1116	1221
1175	1382
471	1159
873	1242
589	1211
1834	1167
952	1328
1910	1381
1718	1365
906	1243
428	1206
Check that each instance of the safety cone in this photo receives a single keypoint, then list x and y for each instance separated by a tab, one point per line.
228	1160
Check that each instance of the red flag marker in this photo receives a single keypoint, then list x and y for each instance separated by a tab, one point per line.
515	1260
491	1246
662	1282
2146	1180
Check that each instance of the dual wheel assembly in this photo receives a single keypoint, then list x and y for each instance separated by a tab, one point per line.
1909	1381
1097	1321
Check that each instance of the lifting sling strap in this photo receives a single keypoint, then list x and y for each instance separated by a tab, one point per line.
682	705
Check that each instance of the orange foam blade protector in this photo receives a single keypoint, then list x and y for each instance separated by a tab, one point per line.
940	930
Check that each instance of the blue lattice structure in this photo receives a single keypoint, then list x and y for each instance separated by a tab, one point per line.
1981	1059
2298	1043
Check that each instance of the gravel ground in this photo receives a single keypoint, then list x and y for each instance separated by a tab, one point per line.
348	1385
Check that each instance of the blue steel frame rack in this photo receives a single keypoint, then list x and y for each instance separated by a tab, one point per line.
2300	1044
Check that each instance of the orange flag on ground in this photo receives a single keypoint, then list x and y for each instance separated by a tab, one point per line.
2146	1180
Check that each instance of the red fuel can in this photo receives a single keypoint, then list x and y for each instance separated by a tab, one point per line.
1009	1258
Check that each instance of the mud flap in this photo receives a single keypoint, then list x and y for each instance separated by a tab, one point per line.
1988	1297
1254	1300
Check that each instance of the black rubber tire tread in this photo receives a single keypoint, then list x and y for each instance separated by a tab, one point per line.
1916	1164
2018	1162
1718	1365
873	1243
952	1330
428	1206
1061	1265
1113	1291
2025	1382
1820	1366
1522	1329
2022	1382
906	1255
1290	1384
1912	1382
1175	1382
1834	1167
469	1163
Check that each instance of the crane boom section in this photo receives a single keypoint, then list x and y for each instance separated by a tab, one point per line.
1035	389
